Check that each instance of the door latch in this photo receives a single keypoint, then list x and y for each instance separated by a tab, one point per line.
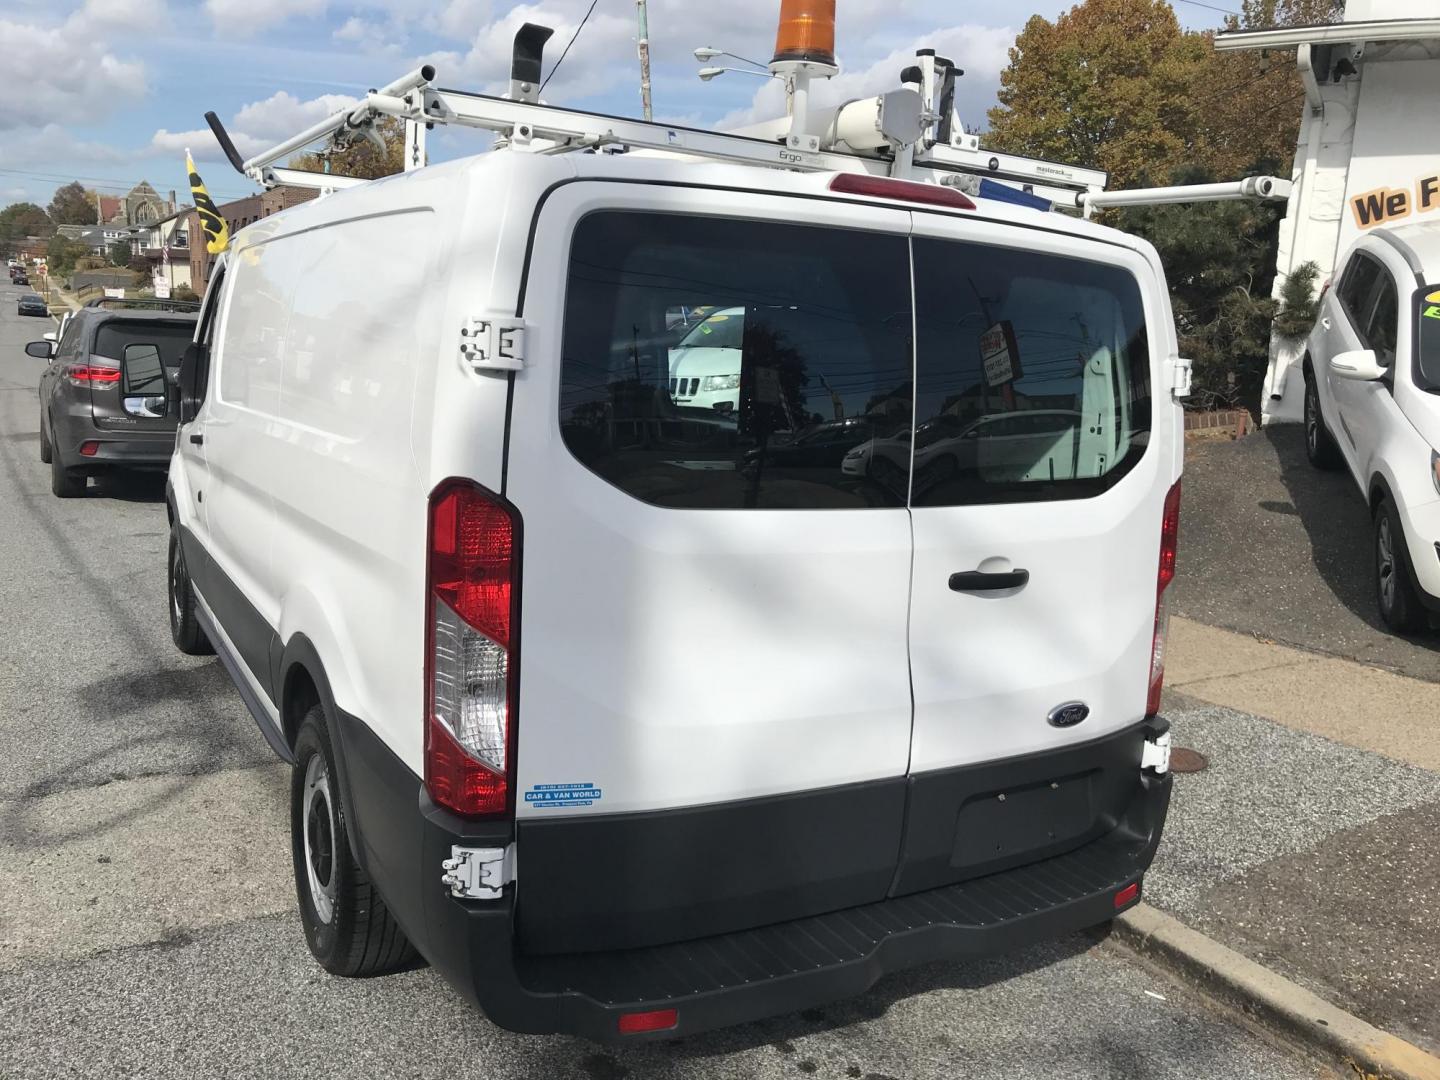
1156	754
479	873
493	343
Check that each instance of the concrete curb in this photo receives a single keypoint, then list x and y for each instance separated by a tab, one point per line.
1281	1005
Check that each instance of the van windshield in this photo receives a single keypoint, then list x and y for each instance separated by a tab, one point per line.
1427	340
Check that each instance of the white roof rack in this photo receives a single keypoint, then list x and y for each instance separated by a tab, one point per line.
909	132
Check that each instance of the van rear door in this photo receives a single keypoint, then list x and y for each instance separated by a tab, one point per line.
1041	469
714	704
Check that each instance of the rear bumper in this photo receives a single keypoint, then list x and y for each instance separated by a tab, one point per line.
727	978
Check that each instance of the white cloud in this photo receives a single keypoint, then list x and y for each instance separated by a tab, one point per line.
56	74
242	18
52	142
202	144
282	115
980	51
120	16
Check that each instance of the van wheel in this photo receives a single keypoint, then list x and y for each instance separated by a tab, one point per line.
46	451
1320	445
184	626
65	483
1395	590
347	925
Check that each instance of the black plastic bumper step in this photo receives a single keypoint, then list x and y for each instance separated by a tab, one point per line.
990	914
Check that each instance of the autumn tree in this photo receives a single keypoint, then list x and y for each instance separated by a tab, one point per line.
1108	84
73	205
22	219
350	154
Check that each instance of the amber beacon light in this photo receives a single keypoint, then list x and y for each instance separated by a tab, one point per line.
807	32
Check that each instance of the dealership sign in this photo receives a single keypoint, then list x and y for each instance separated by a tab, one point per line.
1384	205
999	354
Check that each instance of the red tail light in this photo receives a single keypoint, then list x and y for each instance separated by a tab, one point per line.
1129	894
91	374
470	655
883	187
659	1020
1169	543
89	448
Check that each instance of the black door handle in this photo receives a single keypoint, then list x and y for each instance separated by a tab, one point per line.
197	439
977	581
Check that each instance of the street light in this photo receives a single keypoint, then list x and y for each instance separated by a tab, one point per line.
705	53
708	73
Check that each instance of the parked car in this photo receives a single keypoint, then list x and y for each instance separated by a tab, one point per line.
30	304
1372	403
20	279
766	733
104	397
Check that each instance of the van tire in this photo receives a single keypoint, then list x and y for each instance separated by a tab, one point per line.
65	483
1395	591
46	451
1320	445
347	925
185	628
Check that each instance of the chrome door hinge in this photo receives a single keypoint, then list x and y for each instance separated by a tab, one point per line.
479	873
493	343
1180	386
1156	754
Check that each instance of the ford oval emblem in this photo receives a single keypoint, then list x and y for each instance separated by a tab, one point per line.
1069	714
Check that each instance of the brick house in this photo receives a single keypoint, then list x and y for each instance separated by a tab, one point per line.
237	215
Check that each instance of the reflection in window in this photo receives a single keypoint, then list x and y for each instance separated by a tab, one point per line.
1032	375
726	363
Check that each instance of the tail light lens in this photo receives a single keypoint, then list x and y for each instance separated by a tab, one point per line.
472	622
885	187
91	374
1169	543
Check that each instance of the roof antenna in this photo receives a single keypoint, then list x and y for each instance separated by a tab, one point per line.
530	42
223	138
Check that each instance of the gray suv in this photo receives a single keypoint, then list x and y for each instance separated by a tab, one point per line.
105	397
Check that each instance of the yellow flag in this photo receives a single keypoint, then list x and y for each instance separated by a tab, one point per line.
217	233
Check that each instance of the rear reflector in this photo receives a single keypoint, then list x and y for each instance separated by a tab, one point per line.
1169	545
659	1020
883	187
470	673
1127	895
88	449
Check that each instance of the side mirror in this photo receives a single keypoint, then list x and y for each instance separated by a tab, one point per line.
188	388
41	350
1359	364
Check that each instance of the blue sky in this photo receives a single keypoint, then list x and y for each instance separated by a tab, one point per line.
111	91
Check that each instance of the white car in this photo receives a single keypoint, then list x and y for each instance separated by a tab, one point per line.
1372	402
631	722
705	364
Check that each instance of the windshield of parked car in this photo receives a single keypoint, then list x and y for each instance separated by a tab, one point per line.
1427	340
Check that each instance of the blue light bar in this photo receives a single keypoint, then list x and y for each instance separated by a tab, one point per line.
993	189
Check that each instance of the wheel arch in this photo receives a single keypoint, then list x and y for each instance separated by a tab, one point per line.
302	684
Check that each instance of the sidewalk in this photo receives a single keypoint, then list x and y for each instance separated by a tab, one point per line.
1311	843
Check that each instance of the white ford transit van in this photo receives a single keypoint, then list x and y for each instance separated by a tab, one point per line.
634	716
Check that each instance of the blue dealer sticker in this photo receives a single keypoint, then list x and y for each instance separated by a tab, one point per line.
553	796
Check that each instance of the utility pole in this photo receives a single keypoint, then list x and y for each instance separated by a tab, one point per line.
643	44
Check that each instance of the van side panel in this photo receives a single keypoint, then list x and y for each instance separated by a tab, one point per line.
349	502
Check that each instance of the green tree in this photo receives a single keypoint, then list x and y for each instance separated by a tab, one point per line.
1108	84
63	253
73	205
119	253
355	155
19	220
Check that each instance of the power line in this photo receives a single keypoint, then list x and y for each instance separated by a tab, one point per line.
568	44
1212	7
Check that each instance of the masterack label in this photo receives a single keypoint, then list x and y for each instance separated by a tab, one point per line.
554	796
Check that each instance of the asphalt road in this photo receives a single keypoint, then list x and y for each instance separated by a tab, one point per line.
1271	546
147	925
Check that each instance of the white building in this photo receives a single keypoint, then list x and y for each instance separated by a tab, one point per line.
1369	145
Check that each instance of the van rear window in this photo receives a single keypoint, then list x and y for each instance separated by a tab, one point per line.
1033	375
736	364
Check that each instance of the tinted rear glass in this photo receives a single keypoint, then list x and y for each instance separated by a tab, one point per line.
1427	339
734	364
1033	375
170	338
